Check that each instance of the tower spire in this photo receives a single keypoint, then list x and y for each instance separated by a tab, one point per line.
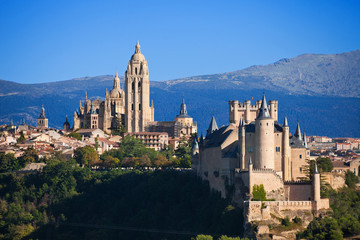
285	122
183	111
263	110
298	132
116	82
213	126
137	47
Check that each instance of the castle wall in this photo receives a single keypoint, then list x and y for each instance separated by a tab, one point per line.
298	192
249	147
271	180
298	161
255	212
335	180
211	167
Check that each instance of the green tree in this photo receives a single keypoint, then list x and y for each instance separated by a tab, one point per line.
86	156
30	155
8	162
324	164
204	237
75	135
21	139
183	153
351	179
111	162
323	229
116	127
259	193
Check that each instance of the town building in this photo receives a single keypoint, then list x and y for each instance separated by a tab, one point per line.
154	140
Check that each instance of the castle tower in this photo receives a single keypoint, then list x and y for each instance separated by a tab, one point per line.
316	184
250	167
273	109
286	151
137	99
247	111
264	138
241	146
42	121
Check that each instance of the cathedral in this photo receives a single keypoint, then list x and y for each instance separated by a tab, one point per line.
130	108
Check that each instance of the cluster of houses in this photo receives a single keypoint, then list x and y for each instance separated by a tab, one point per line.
343	152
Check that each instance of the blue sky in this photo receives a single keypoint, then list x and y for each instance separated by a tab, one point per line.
45	41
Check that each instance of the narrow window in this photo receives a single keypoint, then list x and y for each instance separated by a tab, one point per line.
132	107
139	106
135	70
133	86
300	156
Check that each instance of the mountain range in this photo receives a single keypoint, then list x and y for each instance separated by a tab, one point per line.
321	91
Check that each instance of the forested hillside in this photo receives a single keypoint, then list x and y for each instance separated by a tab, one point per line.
70	202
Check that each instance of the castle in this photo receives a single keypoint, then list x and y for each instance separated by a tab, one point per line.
254	150
130	108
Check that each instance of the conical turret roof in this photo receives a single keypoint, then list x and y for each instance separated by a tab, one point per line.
212	127
305	141
285	122
298	131
263	110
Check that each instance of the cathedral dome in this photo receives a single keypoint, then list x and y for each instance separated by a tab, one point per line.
137	56
116	93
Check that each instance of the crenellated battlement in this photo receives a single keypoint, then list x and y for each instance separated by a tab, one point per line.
247	111
299	182
267	170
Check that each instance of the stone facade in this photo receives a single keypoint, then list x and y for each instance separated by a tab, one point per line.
255	149
130	108
154	140
138	111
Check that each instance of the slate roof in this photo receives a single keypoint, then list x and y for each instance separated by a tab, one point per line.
263	110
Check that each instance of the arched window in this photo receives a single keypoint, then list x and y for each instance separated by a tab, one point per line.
133	86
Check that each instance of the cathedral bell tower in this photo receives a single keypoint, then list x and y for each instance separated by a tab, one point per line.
137	98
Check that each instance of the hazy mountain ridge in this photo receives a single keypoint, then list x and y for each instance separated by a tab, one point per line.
321	91
307	74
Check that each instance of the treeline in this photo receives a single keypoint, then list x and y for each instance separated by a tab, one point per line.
8	161
66	201
133	153
345	220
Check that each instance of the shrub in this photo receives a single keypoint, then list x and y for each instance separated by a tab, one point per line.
285	222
